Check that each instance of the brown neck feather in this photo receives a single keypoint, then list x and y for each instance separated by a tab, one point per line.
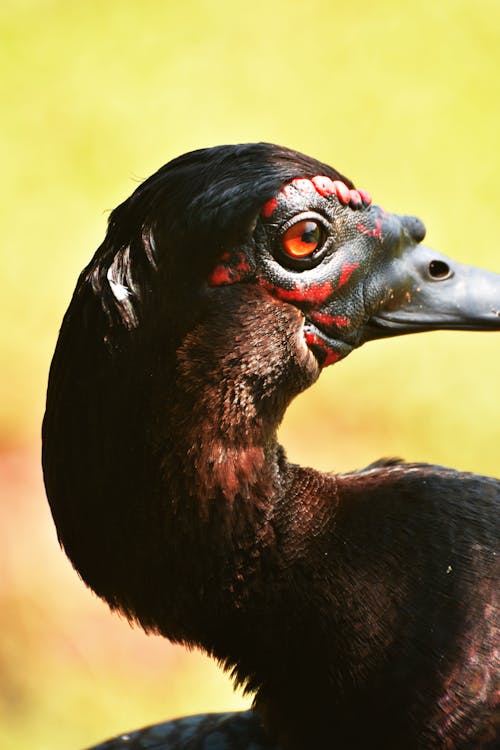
237	371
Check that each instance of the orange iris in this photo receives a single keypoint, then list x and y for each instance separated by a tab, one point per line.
302	239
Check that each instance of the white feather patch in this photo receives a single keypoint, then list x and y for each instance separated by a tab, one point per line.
120	292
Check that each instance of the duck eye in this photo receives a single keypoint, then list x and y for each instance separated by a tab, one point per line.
302	239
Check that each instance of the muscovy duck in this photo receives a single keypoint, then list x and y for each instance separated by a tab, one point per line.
362	609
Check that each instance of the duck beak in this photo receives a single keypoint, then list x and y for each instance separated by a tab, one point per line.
421	290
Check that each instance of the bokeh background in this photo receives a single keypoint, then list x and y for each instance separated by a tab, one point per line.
402	97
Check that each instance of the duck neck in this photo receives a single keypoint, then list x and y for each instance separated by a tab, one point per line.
162	463
221	467
232	384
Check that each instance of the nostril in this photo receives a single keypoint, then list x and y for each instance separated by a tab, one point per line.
438	269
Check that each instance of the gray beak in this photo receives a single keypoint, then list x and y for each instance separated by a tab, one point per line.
422	290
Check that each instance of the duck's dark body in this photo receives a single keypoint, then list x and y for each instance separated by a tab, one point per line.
231	731
362	608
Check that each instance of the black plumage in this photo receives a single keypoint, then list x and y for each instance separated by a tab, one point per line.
362	609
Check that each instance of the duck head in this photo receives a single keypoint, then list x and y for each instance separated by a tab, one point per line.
356	272
269	217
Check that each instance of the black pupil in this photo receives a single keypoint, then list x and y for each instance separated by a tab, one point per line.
311	233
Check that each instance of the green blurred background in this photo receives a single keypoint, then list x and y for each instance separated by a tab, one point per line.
402	97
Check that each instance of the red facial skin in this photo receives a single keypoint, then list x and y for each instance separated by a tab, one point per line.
330	321
313	293
227	272
325	187
346	273
376	232
267	209
312	339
